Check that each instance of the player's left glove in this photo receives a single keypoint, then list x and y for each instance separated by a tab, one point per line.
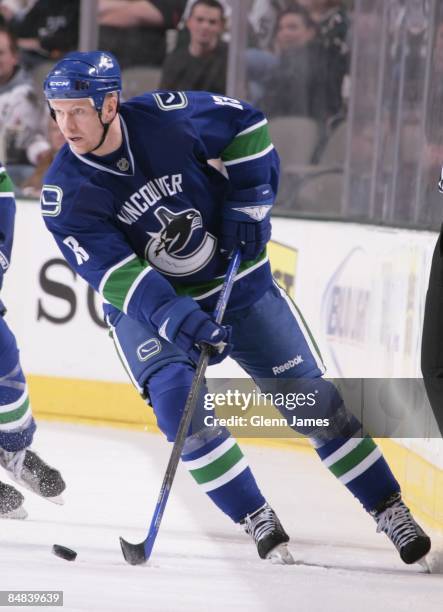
182	322
246	222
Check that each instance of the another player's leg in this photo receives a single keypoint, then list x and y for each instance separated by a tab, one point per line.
291	362
432	341
17	427
215	461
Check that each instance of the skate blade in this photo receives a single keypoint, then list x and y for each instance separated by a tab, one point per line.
57	499
425	565
17	514
280	555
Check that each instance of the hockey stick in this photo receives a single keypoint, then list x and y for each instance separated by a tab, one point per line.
136	554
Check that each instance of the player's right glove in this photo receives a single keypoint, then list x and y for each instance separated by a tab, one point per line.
246	222
182	322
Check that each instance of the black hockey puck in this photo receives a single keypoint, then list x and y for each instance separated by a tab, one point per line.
64	553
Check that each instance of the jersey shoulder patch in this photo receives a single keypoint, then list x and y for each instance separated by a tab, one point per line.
51	200
170	100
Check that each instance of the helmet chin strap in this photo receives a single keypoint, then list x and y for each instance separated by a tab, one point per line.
105	127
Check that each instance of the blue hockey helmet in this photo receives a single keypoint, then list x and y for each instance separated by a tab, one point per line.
91	74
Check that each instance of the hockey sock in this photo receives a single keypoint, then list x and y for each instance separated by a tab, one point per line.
359	464
212	456
219	467
16	423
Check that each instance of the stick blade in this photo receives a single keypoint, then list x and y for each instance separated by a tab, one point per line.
134	554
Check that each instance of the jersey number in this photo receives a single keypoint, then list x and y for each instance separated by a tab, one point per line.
80	254
225	101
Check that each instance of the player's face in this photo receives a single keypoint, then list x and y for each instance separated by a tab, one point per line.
292	32
205	25
79	123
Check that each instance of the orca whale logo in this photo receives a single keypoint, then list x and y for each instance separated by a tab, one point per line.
163	251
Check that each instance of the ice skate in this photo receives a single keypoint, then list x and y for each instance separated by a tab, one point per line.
269	536
395	520
30	471
11	503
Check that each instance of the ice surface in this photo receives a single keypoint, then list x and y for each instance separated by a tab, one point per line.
200	562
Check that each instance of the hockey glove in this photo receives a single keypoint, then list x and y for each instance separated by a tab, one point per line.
246	221
182	322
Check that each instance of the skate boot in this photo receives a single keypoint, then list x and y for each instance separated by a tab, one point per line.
30	471
11	503
269	536
394	519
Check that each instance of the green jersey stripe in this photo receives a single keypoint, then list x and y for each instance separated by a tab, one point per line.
14	415
247	144
122	279
110	270
218	467
353	458
241	160
204	290
6	185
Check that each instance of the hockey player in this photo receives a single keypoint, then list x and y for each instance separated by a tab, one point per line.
17	425
140	214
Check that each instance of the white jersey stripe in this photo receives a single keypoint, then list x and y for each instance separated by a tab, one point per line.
134	286
124	360
302	325
241	160
252	128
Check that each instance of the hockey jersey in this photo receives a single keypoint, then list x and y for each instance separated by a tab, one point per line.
142	224
7	216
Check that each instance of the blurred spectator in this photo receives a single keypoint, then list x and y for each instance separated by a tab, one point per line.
47	29
332	19
33	185
203	64
299	84
263	19
135	30
183	37
332	22
20	114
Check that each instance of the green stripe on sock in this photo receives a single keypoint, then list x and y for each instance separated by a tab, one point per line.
14	415
353	458
248	144
121	280
218	467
